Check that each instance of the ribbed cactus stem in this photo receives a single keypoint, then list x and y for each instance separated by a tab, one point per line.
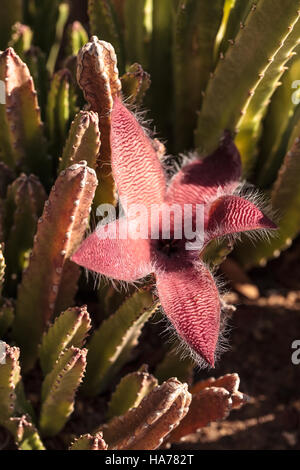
241	70
104	23
285	198
89	442
146	427
61	109
68	287
130	392
60	230
76	38
36	61
135	83
21	130
59	388
25	433
161	21
83	141
237	12
63	15
98	76
196	26
21	39
9	380
212	404
24	205
250	124
106	357
135	31
280	127
69	329
45	20
212	400
171	365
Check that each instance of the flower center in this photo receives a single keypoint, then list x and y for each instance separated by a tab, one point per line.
169	246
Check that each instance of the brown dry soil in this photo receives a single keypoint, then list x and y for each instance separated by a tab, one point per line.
263	328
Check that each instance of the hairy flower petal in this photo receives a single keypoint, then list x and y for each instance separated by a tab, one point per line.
190	299
234	214
136	168
201	180
122	259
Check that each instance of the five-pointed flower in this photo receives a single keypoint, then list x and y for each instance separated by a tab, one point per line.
186	288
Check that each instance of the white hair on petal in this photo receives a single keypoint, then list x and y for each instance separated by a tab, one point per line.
183	350
147	126
243	189
117	284
140	115
172	337
247	191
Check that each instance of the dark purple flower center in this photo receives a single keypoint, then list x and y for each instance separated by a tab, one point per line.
168	247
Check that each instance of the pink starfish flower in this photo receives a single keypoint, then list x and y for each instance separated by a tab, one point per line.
186	288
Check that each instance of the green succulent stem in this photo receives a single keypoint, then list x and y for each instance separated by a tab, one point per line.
22	142
21	39
104	24
196	27
135	83
69	329
83	141
112	344
239	73
250	126
130	392
146	426
285	199
89	442
24	205
60	230
59	388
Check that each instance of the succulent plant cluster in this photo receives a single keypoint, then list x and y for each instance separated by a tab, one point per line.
214	67
141	413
